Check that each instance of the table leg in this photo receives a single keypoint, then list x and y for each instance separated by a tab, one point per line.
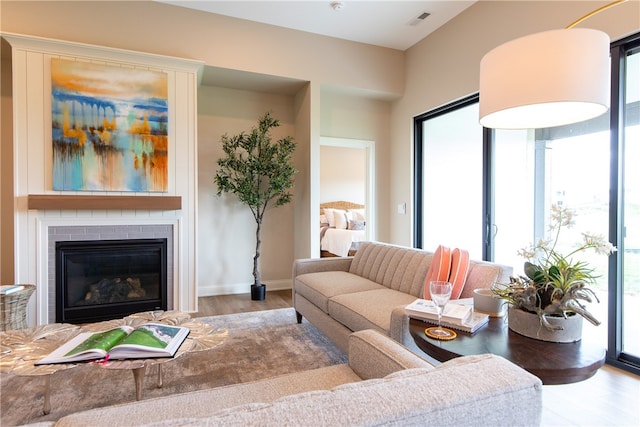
160	375
47	394
138	376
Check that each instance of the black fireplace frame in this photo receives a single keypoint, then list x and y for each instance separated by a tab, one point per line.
94	313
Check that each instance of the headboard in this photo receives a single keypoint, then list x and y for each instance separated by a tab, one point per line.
340	204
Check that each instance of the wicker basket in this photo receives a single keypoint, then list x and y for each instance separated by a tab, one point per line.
13	308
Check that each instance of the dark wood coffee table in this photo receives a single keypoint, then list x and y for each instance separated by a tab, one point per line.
553	363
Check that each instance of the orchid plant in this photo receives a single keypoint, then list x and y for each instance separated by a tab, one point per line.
555	284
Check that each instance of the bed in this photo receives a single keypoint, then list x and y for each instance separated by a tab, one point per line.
342	227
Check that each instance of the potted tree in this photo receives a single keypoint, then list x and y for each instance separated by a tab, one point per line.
260	173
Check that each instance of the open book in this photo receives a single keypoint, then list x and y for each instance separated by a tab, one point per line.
455	316
146	341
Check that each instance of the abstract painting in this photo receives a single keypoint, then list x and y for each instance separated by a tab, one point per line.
109	127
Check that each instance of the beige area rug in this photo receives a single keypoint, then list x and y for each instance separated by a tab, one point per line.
259	345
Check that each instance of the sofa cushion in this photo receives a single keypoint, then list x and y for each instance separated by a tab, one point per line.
395	267
319	287
367	309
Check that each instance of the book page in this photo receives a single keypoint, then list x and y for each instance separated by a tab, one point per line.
151	335
151	340
101	341
68	352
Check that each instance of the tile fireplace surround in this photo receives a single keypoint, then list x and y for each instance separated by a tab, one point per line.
104	232
39	264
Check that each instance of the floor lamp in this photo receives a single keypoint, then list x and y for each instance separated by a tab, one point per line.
547	79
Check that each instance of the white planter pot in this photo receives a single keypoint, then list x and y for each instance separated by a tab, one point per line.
528	324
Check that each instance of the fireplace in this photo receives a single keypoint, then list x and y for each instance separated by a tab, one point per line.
109	279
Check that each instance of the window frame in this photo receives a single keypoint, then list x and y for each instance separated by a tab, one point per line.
615	356
418	167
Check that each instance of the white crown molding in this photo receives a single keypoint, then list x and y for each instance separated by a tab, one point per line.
61	47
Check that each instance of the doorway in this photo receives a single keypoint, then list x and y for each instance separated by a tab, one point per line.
347	171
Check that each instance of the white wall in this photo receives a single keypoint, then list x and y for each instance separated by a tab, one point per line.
217	40
342	174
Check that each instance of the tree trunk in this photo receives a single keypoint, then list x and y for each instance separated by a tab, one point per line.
257	280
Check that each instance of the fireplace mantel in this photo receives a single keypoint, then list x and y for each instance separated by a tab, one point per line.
67	202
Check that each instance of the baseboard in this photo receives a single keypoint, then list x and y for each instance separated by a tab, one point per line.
241	288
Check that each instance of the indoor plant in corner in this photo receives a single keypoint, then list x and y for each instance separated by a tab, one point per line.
547	303
260	173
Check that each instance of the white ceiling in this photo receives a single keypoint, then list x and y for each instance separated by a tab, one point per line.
391	24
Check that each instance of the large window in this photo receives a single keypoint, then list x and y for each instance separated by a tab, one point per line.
491	192
566	166
451	162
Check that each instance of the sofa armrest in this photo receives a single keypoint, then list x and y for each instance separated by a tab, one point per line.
484	274
399	331
374	355
315	265
399	326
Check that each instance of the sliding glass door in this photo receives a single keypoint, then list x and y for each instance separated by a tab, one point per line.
629	301
450	187
565	166
512	195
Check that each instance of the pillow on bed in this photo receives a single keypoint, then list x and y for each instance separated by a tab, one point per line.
323	220
357	214
341	218
330	218
355	224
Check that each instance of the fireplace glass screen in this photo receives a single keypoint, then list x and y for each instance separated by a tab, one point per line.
109	279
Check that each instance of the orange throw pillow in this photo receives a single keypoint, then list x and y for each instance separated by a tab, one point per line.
439	268
459	270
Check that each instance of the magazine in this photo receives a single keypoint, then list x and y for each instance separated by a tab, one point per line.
125	342
454	316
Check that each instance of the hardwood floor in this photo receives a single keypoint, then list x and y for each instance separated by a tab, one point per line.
610	398
241	303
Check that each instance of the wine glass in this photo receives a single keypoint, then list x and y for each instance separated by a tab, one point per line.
440	294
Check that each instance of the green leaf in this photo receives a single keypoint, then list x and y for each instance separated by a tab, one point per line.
531	270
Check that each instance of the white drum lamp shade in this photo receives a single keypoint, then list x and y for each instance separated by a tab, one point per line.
546	79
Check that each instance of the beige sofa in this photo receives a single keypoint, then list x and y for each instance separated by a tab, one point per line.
370	290
382	384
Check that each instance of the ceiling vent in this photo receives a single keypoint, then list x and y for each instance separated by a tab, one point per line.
417	20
